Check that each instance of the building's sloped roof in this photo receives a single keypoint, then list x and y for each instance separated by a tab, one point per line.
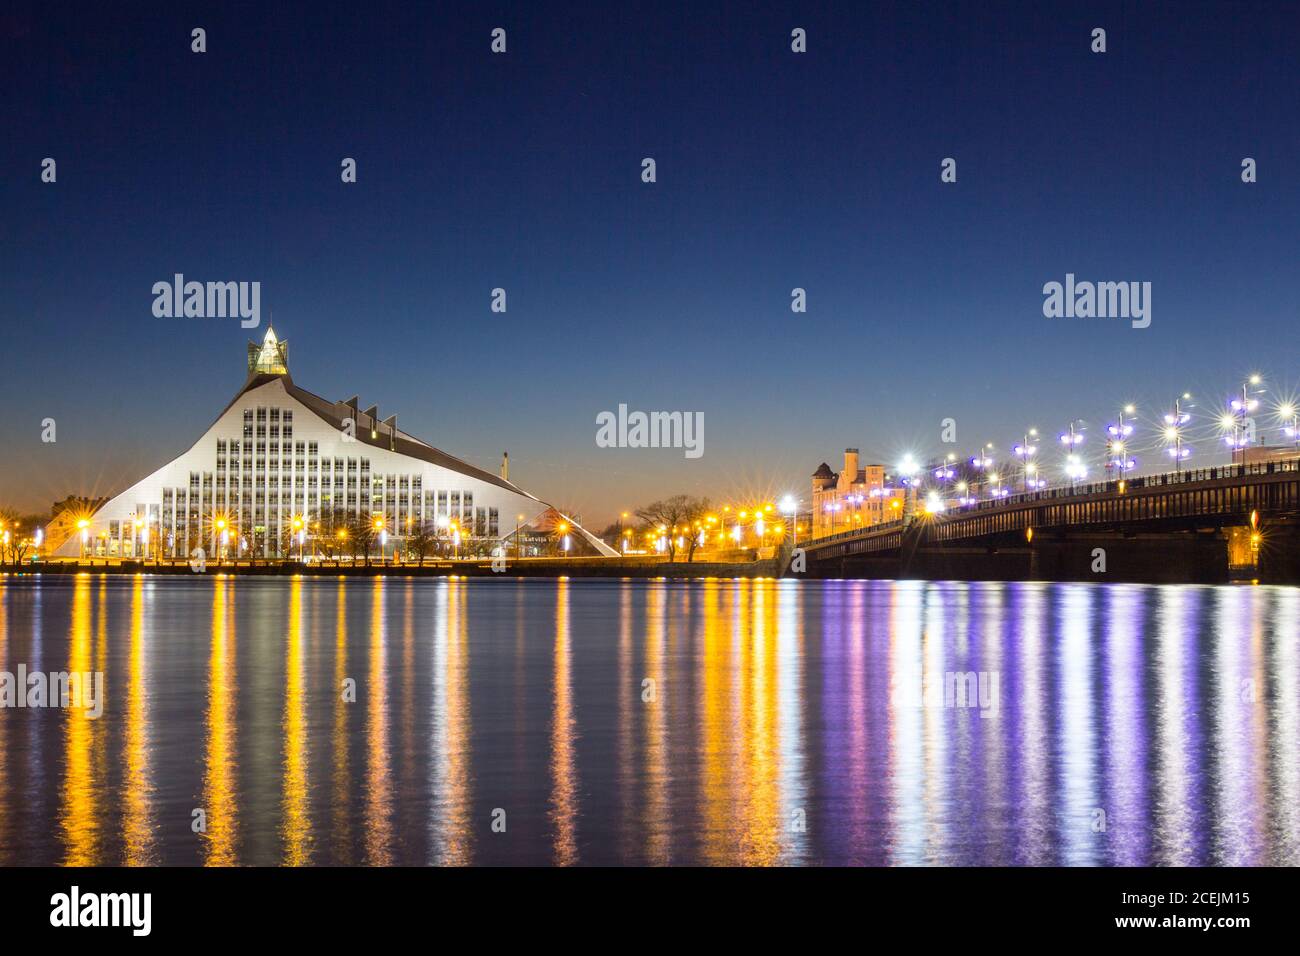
823	471
390	439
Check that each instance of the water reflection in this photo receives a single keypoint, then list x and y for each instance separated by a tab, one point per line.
81	810
564	783
452	840
716	721
220	829
138	836
295	833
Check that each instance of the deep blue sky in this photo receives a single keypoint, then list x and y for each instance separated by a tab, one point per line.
775	170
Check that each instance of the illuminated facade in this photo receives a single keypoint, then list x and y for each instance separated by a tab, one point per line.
280	458
856	497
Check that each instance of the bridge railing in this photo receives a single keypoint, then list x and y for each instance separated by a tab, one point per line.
1159	480
883	527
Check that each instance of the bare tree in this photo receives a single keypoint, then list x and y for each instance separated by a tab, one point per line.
361	534
422	539
672	516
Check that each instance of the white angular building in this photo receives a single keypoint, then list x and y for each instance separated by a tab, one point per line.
279	452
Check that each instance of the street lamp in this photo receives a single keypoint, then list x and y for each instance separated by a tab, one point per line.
383	536
1072	438
1174	422
1289	413
1116	445
299	534
788	508
1241	411
222	534
1025	451
907	473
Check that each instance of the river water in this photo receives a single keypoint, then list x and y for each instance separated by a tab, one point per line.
524	721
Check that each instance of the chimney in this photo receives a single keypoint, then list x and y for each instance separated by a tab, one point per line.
850	466
505	466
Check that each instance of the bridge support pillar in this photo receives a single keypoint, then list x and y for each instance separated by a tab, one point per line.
1279	554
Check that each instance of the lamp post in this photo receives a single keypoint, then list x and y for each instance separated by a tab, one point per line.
298	533
1072	439
1117	446
1288	412
519	537
221	534
1241	411
1025	451
1174	422
382	536
907	472
789	507
982	462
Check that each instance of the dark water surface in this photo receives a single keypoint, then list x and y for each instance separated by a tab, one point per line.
748	722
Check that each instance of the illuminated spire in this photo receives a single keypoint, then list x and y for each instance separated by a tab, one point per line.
269	358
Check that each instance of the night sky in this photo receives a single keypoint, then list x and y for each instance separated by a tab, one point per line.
775	170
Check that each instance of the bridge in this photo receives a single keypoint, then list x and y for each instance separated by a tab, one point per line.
1188	526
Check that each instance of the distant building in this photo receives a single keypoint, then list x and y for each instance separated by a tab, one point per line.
279	453
856	497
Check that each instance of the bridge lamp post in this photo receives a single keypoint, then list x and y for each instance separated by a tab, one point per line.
907	472
1290	414
983	461
1115	445
1241	411
1025	451
1075	469
1072	439
1174	423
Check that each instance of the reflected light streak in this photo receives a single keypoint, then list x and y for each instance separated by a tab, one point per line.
295	828
138	837
449	823
80	812
379	784
219	780
564	784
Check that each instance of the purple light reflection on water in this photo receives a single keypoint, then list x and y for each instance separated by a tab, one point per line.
719	721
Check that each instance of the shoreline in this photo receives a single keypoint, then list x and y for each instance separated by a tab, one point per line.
527	567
